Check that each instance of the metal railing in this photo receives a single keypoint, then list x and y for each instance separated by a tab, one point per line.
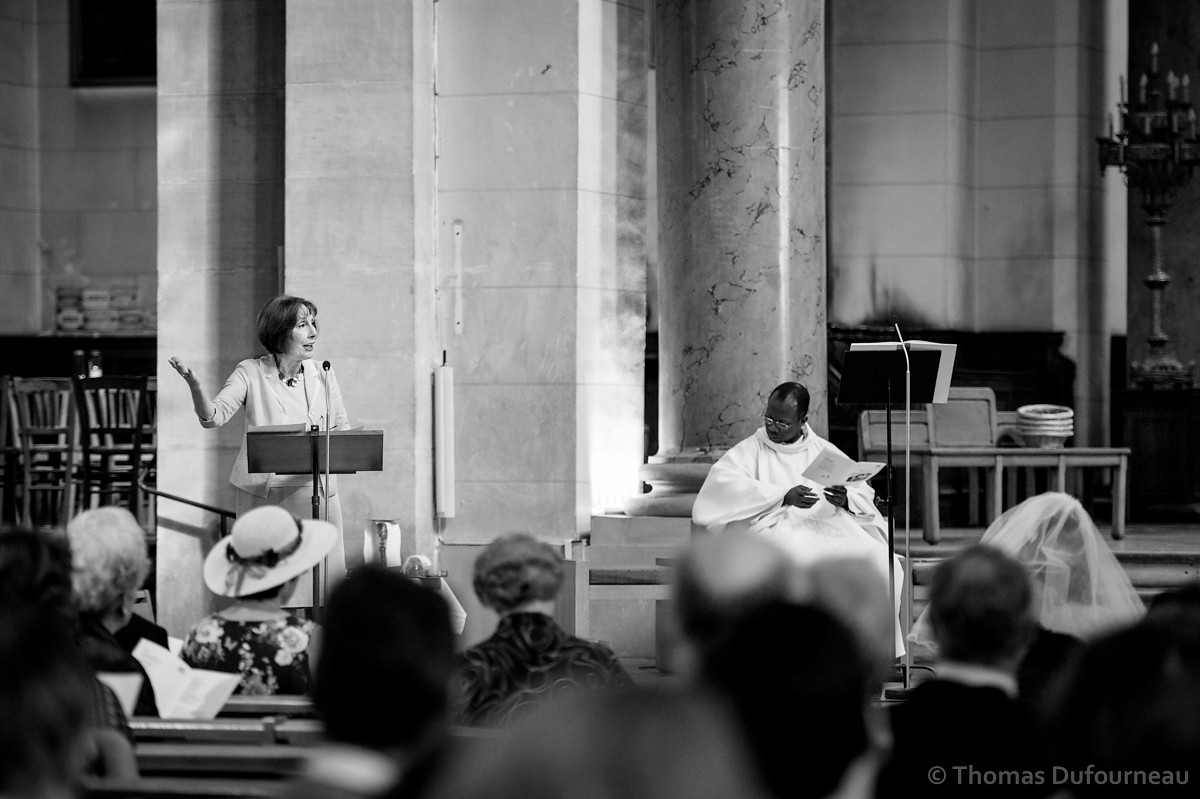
223	513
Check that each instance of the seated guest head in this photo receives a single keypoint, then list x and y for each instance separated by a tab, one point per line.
45	699
386	656
719	577
853	590
258	565
787	412
781	662
266	553
518	573
35	570
108	554
528	660
620	745
1131	698
980	608
278	318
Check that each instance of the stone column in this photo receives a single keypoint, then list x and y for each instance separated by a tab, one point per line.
220	226
358	198
541	114
741	144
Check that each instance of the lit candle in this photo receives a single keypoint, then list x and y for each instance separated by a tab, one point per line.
1154	59
1171	85
1191	123
1186	83
1142	88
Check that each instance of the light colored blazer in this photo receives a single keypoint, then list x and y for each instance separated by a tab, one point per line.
255	385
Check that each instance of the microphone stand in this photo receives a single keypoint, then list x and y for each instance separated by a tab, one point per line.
328	427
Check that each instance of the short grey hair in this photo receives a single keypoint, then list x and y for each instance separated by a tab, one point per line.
108	558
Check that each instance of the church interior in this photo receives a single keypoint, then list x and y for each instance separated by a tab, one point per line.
563	251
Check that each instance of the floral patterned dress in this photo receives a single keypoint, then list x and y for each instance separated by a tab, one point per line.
271	655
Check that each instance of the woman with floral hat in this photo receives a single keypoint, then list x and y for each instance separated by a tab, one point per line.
259	565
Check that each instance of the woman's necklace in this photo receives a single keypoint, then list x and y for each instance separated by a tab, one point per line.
289	381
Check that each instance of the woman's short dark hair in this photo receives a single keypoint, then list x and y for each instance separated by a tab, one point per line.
516	569
277	318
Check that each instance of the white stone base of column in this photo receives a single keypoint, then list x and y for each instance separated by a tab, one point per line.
673	485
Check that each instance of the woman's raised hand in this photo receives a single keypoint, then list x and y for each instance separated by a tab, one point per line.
183	370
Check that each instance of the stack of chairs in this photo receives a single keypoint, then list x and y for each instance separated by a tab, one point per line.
73	443
42	416
113	419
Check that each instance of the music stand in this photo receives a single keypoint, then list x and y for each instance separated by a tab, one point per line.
292	449
880	374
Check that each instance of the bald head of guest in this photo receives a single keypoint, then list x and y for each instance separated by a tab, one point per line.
719	577
787	412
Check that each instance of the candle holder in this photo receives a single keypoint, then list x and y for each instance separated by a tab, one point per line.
1156	149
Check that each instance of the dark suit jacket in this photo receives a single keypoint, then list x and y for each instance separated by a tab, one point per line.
104	653
138	628
1045	660
955	739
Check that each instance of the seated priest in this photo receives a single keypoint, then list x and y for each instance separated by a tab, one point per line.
759	485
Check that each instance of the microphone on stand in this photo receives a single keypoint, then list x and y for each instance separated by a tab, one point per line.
328	425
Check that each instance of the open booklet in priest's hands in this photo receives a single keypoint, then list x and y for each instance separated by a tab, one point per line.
832	468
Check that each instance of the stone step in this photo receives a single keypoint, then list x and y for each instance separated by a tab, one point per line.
636	531
600	557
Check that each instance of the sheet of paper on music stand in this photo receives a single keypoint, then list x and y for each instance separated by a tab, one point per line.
945	353
834	469
181	691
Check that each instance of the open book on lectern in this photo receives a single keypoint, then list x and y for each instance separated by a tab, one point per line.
866	365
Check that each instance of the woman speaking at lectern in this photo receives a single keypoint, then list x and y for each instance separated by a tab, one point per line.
284	387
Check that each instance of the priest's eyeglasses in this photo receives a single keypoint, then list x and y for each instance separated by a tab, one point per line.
776	424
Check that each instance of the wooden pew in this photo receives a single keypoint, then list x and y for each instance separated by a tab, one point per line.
182	788
291	706
200	759
265	730
583	584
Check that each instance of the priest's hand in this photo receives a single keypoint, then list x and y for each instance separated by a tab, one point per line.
800	497
836	496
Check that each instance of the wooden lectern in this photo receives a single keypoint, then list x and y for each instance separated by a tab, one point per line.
295	449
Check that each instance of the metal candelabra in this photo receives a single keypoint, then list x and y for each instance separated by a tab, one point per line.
1156	149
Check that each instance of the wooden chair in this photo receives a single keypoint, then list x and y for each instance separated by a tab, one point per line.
966	420
45	428
113	420
10	453
147	512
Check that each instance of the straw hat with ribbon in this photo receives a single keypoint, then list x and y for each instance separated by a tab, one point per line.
268	547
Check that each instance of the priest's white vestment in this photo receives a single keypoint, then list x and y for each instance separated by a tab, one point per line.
745	489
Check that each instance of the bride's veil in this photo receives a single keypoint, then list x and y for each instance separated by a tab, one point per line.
1079	587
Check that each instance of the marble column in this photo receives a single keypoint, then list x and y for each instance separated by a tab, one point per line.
741	144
